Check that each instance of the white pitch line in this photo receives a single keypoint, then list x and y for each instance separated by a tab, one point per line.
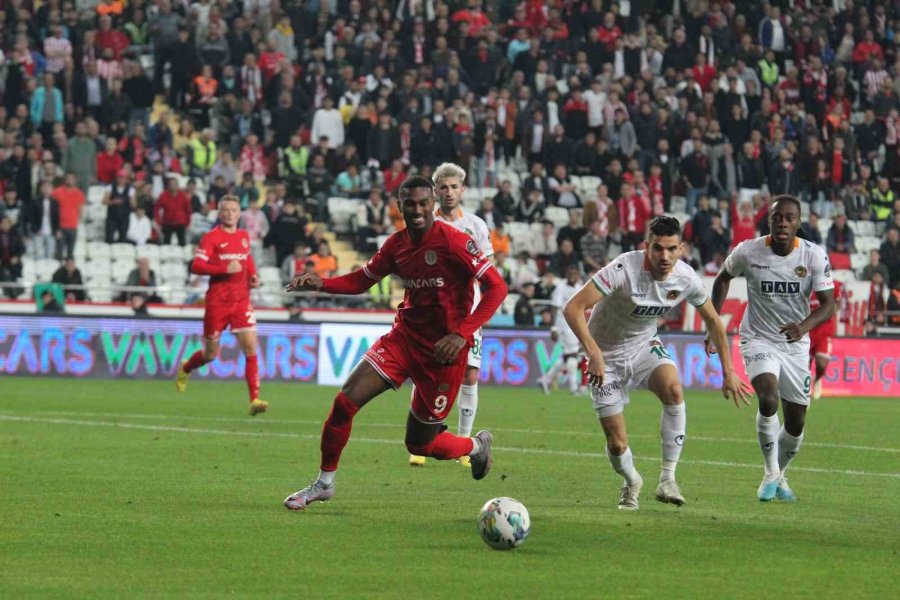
713	463
267	420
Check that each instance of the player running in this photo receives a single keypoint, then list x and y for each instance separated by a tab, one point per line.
820	341
224	255
628	296
435	323
561	332
449	185
781	270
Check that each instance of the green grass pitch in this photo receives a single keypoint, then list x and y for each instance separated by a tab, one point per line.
113	489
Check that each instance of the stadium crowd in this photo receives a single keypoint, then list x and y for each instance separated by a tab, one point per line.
612	111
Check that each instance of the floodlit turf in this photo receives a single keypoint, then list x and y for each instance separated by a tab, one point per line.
123	489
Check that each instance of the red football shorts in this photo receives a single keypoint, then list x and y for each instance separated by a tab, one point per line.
819	343
238	317
397	358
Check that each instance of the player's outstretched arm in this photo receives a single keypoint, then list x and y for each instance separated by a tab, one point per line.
356	282
494	293
573	312
719	293
794	332
732	387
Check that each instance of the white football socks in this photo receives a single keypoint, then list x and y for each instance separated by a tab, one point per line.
573	374
767	431
671	429
476	446
788	447
624	466
468	406
326	478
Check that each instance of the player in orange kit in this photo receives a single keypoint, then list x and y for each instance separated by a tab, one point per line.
224	255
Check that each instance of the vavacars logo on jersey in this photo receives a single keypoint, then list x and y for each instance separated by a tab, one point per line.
649	312
425	282
785	289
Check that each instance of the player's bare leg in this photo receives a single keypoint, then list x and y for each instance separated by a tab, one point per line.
622	461
767	428
789	440
363	384
247	341
821	362
467	403
433	439
196	360
665	385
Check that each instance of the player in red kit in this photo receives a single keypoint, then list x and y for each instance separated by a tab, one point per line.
429	341
820	341
224	255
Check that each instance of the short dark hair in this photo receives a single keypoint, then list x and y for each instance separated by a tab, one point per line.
413	182
664	225
787	198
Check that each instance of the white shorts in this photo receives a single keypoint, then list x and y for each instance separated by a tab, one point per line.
569	342
475	351
626	371
791	369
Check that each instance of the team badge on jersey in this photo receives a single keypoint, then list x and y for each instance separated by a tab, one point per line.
471	247
443	387
430	258
800	272
672	294
245	243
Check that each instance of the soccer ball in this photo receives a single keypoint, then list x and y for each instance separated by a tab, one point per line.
504	523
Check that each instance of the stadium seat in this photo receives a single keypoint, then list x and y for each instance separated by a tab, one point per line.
120	271
171	254
123	253
859	260
678	204
98	251
187	253
101	294
558	215
173	272
863	227
95	195
95	213
867	243
589	185
270	276
824	226
488	192
150	251
340	212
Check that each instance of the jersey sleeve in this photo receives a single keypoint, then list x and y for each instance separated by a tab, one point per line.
205	249
610	278
736	263
467	253
695	293
820	270
483	237
382	264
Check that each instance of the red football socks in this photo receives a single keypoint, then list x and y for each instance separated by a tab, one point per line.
251	374
195	361
447	446
336	431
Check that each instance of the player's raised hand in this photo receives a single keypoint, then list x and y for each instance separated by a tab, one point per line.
255	281
792	331
710	346
736	390
447	348
304	282
595	369
234	267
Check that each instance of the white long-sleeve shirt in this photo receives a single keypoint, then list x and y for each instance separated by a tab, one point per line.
330	123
